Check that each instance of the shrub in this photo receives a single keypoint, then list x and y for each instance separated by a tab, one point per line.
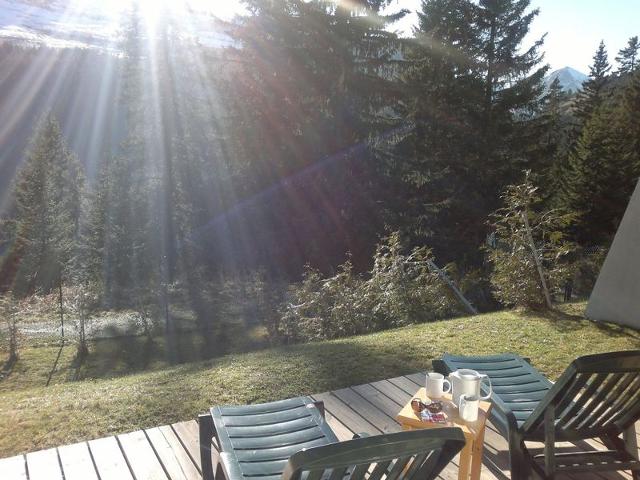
9	313
81	301
400	289
529	248
321	308
406	289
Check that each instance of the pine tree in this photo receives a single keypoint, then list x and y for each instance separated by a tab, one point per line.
475	95
312	102
592	95
628	57
48	197
442	105
596	180
551	129
627	129
513	87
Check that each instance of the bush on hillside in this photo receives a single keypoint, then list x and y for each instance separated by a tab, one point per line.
527	240
9	314
400	289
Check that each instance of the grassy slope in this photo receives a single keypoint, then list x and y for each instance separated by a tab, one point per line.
33	416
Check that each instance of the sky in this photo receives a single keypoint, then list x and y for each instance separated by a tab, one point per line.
574	28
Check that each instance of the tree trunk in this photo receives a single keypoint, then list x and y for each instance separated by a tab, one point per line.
536	259
61	310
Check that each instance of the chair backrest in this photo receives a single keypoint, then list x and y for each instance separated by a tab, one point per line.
413	454
597	394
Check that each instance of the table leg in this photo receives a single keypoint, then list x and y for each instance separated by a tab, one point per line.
465	460
476	455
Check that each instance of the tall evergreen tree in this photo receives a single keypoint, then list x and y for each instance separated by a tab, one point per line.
121	240
627	124
628	57
311	103
435	161
596	183
551	128
473	95
513	86
48	197
592	95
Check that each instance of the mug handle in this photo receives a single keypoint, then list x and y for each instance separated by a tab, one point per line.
462	403
486	377
448	383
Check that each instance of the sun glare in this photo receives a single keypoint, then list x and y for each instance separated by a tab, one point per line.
224	9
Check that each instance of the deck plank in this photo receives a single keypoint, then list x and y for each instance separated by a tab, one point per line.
377	398
339	428
187	433
109	459
141	457
392	391
14	468
44	465
168	457
351	419
188	465
368	410
76	462
405	384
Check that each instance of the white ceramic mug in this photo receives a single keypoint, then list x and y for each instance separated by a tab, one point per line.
468	408
435	385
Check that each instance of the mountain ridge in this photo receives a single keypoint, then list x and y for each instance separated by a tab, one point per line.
570	79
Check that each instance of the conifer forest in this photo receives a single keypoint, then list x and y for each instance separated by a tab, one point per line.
309	173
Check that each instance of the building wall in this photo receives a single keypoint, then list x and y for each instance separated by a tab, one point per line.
616	295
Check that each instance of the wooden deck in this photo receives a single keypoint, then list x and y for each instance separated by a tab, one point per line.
171	452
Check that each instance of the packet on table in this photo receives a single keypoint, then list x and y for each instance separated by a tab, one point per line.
427	416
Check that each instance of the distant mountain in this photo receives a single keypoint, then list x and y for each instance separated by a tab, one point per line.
570	79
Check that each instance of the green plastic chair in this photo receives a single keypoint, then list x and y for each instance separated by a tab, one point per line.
598	396
290	440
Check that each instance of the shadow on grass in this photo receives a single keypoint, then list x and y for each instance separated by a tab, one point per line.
7	367
123	354
55	364
567	322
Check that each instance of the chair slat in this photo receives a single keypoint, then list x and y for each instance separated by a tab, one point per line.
338	473
580	381
379	470
359	472
592	417
266	418
274	467
606	389
626	402
281	453
530	396
397	468
277	441
416	463
272	429
622	399
578	403
269	407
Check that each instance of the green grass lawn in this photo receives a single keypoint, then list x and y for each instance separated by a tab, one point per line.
34	416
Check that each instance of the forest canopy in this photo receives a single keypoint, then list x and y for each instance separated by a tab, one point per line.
306	139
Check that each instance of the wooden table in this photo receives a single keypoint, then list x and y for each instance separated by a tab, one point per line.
471	454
